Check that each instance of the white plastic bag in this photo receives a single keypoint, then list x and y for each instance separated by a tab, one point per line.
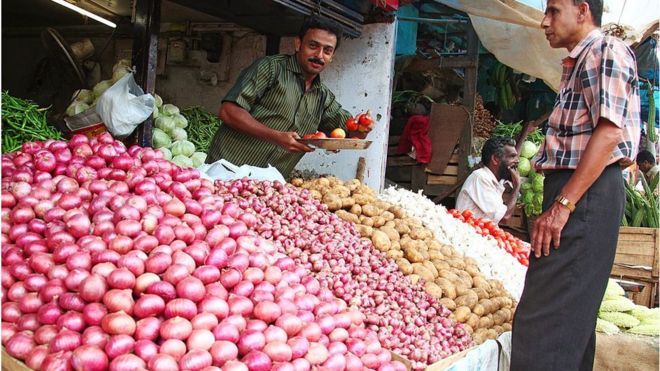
124	106
225	170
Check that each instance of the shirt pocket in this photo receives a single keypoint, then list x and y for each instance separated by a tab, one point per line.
574	118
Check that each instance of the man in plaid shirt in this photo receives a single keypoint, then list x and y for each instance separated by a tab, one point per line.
593	128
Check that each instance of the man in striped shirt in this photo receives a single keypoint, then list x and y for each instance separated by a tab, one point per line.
277	100
594	127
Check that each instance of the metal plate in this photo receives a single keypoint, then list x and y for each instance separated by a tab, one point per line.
335	144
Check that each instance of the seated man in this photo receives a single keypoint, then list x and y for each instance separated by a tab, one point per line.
483	189
646	164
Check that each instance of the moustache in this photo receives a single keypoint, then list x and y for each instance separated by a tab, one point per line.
316	60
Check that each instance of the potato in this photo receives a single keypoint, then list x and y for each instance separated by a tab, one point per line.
396	246
448	275
341	191
461	288
473	320
323	181
394	254
473	270
316	194
402	228
440	265
488	305
404	266
499	317
480	336
469	300
465	277
485	322
347	202
448	303
297	182
421	271
380	240
391	224
498	329
412	254
365	220
414	278
478	310
491	334
481	293
434	245
417	233
457	263
398	212
370	210
469	329
433	289
362	199
481	283
428	265
507	327
379	221
391	233
345	215
447	287
462	314
446	250
436	254
387	215
364	230
356	209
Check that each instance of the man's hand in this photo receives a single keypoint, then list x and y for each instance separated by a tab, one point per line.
547	229
515	178
289	141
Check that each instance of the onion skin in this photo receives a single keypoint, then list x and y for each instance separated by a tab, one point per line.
88	357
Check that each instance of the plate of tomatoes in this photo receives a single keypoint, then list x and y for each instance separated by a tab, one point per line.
359	127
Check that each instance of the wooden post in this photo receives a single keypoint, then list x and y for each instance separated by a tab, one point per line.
145	56
469	100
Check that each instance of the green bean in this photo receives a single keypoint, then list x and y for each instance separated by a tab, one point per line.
24	121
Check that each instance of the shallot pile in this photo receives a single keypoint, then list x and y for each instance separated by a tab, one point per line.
115	258
409	322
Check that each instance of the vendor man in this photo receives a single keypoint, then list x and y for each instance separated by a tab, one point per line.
646	164
483	189
277	100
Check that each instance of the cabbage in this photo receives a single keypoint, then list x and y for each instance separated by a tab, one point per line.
160	139
198	158
165	123
170	109
528	198
182	161
524	166
537	183
528	149
525	187
101	87
182	147
83	95
156	113
76	107
180	121
158	100
179	134
167	154
119	73
121	64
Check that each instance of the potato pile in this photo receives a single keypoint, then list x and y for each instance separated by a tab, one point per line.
483	305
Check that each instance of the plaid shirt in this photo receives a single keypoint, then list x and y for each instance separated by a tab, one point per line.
599	80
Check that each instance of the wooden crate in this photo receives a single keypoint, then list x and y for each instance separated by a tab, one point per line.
637	254
10	363
450	175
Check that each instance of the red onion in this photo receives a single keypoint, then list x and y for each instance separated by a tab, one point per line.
191	288
163	289
127	362
200	339
119	300
235	366
148	305
95	336
257	361
65	340
57	361
35	359
93	288
176	328
93	313
180	307
71	320
118	345
145	280
8	330
230	278
240	305
118	323
20	345
121	278
223	351
251	340
173	347
28	322
88	357
226	331
278	351
290	323
163	362
204	320
71	301
268	312
147	329
257	325
196	359
146	349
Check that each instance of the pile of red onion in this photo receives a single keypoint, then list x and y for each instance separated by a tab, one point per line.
115	258
408	321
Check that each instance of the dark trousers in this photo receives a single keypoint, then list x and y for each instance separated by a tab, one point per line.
554	324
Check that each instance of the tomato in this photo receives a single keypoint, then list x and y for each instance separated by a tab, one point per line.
351	124
308	136
467	214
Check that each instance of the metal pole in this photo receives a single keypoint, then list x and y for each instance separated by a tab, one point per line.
430	20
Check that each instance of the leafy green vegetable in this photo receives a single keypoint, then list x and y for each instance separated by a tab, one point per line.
23	121
513	129
160	138
101	87
528	149
202	126
524	166
165	123
182	161
76	107
83	95
170	109
158	100
167	154
198	158
180	121
182	147
179	134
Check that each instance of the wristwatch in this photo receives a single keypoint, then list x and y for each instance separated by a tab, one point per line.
566	202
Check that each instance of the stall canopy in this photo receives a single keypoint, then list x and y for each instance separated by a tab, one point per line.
511	30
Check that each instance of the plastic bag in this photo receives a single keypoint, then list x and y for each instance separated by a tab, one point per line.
124	106
225	170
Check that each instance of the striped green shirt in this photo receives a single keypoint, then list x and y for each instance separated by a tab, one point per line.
272	90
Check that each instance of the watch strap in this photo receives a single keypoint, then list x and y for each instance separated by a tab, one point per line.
566	202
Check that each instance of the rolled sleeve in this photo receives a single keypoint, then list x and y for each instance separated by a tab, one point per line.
334	116
251	84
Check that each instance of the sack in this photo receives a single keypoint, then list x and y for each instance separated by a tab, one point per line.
124	106
225	170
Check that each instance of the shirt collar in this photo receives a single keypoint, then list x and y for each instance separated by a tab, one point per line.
584	43
493	178
293	66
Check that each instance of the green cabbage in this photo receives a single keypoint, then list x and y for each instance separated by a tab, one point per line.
606	327
182	161
619	319
119	73
170	109
198	158
528	149
182	147
83	95
620	304
179	134
160	138
524	166
525	187
122	63
158	100
537	183
613	289
165	123
101	87
167	154
646	329
156	113
180	121
76	107
528	198
538	200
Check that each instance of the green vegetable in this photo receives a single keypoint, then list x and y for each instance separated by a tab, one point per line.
160	138
101	87
606	326
158	100
513	129
649	330
23	121
619	319
524	166
650	121
165	123
170	109
620	304
182	161
179	134
180	121
83	95
528	149
613	289
198	158
119	73
182	147
537	183
76	107
202	126
167	154
642	207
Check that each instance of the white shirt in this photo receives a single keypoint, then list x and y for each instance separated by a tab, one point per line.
482	194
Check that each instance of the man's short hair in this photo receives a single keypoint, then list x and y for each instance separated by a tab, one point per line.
596	8
645	155
495	146
319	23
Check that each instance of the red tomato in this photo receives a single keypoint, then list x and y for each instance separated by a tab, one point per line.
467	214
